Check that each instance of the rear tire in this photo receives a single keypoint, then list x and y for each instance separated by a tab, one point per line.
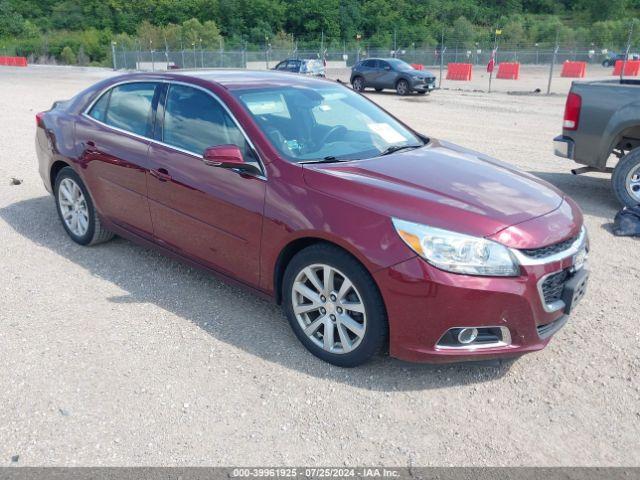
328	292
402	87
625	180
76	211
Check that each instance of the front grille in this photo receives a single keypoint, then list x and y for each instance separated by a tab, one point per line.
549	249
553	285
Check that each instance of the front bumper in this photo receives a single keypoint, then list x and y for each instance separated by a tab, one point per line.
423	303
563	147
423	87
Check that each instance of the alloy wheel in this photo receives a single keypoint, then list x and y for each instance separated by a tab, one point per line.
633	183
73	207
402	87
329	308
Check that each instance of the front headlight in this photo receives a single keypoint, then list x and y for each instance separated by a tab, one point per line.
457	252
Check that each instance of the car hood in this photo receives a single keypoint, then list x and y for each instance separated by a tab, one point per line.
445	186
422	74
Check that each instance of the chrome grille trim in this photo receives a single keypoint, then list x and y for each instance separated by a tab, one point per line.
574	248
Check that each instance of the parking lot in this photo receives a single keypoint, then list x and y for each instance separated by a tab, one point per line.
117	355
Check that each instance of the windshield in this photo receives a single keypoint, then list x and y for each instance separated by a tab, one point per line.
400	65
331	122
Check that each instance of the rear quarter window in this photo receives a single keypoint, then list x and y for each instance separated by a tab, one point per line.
99	109
129	107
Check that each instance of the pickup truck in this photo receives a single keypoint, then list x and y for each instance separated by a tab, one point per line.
602	121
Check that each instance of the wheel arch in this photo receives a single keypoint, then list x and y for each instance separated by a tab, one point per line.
295	246
622	126
356	76
628	138
399	79
55	170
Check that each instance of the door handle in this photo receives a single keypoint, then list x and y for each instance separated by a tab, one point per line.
90	146
161	174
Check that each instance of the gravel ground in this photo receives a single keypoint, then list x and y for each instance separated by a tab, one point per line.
116	355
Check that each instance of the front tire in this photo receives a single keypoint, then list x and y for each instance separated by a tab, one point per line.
334	306
76	210
402	88
625	180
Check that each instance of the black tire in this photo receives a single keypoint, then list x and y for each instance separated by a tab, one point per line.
95	233
378	90
375	336
358	84
605	63
620	181
422	93
402	87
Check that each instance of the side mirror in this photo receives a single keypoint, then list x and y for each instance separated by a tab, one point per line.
227	156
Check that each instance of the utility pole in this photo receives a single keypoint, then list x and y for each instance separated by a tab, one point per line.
182	52
322	43
494	56
221	53
626	53
442	50
113	54
153	65
553	61
395	42
166	51
201	55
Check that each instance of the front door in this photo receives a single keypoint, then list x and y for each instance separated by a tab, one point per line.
113	154
210	214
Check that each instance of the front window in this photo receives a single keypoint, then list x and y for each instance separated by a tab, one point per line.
194	121
327	122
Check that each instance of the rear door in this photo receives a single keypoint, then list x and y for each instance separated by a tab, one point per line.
210	214
369	72
113	142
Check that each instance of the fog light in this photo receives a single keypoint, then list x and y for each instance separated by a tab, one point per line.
467	335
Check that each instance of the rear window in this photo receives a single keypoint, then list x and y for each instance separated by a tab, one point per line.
127	107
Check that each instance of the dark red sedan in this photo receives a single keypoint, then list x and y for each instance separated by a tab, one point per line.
372	236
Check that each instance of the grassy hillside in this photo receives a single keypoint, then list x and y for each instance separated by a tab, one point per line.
81	31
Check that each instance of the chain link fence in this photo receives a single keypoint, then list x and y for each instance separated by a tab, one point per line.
268	58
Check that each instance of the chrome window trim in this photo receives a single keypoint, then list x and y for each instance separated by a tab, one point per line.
505	342
85	113
575	247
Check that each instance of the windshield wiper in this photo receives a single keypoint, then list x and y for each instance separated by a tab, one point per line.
397	148
329	159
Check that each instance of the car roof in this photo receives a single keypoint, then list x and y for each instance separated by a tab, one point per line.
385	59
236	79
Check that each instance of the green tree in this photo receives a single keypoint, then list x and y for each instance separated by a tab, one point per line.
11	22
68	56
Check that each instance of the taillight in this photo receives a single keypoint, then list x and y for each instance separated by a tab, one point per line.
572	111
39	119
